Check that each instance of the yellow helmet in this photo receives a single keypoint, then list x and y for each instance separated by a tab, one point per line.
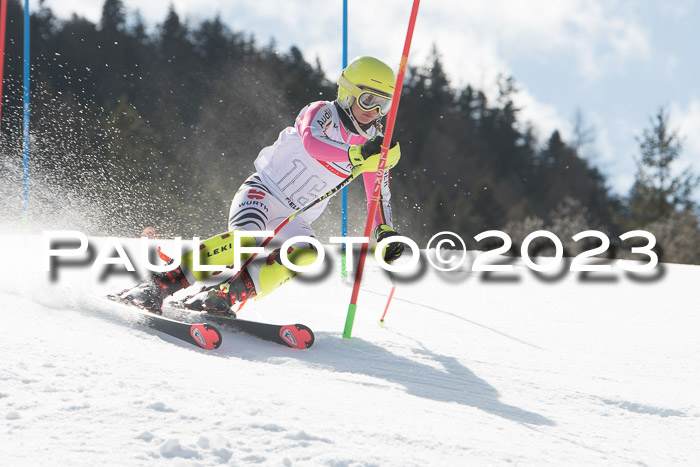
368	81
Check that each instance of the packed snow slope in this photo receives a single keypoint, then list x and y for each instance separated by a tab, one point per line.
471	369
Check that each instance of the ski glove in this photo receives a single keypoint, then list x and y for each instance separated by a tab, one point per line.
392	251
367	155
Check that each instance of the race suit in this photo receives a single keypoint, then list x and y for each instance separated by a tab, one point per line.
306	161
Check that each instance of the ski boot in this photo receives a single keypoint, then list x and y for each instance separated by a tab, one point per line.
150	292
268	276
222	298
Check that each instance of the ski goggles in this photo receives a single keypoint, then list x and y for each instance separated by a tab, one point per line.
369	100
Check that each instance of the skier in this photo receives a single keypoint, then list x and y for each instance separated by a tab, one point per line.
327	141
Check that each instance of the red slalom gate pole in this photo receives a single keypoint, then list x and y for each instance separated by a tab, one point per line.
391	119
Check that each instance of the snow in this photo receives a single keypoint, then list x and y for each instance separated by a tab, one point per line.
470	369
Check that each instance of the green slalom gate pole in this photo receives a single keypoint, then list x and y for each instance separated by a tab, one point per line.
391	119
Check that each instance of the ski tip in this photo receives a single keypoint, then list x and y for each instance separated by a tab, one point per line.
114	297
206	336
297	336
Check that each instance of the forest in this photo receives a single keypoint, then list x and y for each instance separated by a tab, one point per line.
131	128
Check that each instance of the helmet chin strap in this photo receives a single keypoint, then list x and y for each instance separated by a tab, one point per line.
361	129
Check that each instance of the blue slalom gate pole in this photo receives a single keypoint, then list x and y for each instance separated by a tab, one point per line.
25	159
344	192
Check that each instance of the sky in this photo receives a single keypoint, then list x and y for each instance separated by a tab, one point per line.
613	62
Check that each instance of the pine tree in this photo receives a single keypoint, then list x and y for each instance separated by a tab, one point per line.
657	194
113	17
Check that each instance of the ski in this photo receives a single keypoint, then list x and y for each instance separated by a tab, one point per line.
202	335
297	336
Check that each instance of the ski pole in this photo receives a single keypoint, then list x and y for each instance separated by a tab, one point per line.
391	119
354	173
388	302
